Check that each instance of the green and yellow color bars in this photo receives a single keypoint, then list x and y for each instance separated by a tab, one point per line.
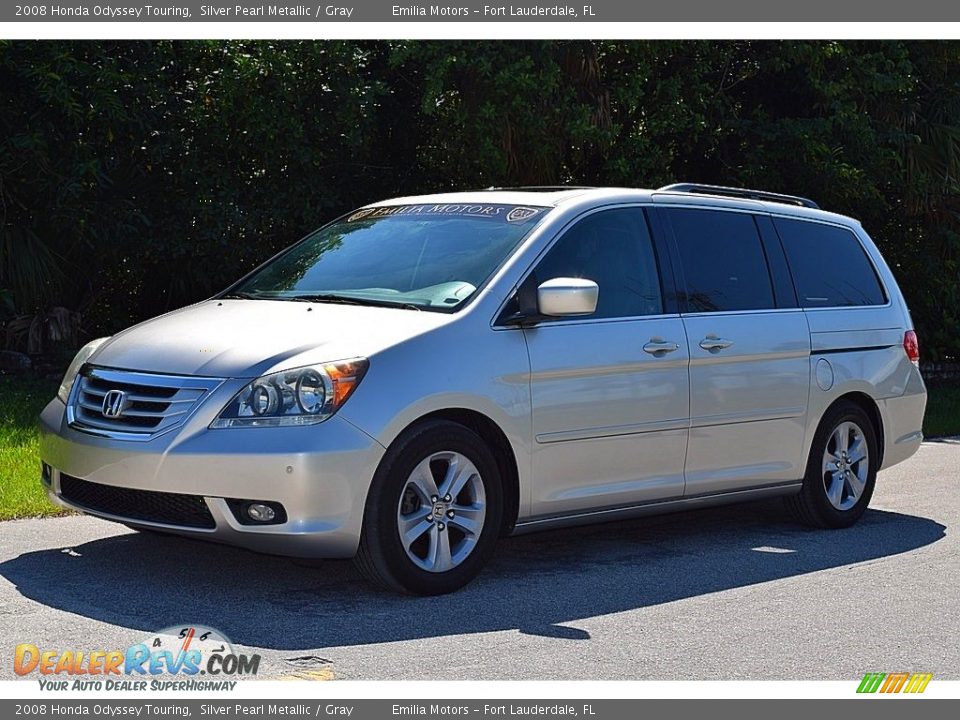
894	682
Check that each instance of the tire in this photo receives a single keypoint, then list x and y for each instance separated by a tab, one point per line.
819	503
452	539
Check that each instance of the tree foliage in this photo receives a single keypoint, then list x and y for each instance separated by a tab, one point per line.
136	177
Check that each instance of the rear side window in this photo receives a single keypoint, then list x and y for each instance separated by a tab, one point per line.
722	260
829	265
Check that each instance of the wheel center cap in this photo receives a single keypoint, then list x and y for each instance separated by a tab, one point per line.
440	508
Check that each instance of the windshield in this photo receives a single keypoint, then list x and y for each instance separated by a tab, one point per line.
431	256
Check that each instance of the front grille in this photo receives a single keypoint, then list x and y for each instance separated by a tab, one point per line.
146	505
135	406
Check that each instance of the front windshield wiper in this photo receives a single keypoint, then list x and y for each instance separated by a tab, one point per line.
240	295
349	300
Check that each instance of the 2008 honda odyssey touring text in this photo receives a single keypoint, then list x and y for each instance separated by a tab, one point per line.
424	375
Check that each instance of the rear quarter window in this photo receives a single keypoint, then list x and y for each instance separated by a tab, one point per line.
830	268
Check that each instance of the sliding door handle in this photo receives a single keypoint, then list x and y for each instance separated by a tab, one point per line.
714	343
659	347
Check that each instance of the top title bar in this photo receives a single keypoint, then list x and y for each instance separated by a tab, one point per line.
470	11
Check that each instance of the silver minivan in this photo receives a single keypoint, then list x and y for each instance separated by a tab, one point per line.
423	375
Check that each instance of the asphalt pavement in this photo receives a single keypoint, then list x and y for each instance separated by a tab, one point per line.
731	593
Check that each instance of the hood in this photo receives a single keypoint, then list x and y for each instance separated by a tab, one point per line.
249	338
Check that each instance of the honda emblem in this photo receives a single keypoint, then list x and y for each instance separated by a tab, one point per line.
113	403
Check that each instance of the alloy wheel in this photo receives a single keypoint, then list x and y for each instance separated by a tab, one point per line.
441	511
846	465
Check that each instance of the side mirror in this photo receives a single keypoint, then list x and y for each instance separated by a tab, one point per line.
567	296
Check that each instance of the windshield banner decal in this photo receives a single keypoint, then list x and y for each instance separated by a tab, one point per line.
505	213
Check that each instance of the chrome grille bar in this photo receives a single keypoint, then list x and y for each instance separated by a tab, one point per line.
146	404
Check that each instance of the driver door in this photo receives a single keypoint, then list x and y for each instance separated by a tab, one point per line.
609	391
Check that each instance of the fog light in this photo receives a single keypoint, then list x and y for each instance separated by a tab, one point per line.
259	512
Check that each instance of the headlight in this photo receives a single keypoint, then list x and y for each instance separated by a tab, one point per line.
304	396
66	385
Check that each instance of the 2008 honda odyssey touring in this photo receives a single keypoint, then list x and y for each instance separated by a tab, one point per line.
424	375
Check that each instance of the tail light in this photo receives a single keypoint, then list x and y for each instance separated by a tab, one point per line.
911	346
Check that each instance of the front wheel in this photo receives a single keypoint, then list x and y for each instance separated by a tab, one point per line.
434	511
841	470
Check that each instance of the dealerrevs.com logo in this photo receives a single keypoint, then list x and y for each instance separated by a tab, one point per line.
187	657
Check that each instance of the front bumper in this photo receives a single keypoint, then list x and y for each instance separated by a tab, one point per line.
320	474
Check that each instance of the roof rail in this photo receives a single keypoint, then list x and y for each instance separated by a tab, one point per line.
543	188
739	193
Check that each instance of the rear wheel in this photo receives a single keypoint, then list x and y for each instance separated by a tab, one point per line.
841	470
434	511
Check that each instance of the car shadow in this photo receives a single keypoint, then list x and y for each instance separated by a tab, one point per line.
537	584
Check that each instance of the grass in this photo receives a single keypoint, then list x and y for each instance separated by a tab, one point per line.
943	411
22	399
